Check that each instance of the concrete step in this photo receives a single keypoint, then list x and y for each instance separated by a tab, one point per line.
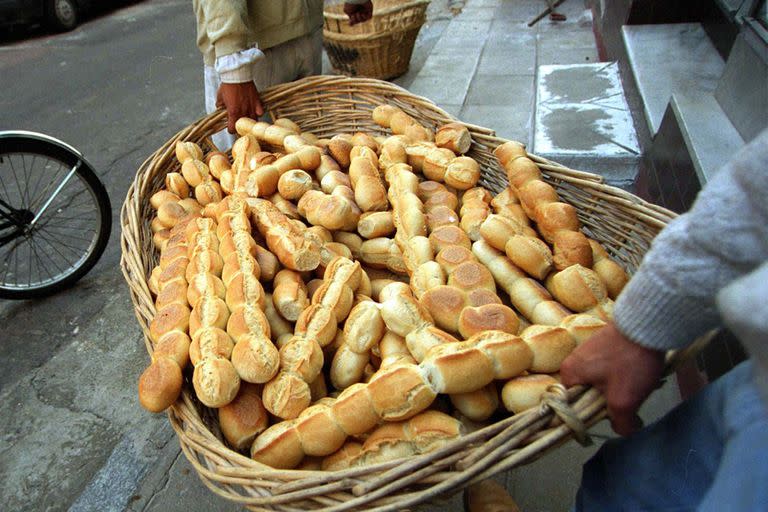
745	101
710	138
582	120
667	59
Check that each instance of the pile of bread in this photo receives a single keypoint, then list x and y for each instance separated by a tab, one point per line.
356	299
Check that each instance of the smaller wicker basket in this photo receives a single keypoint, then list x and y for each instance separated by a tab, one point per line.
379	48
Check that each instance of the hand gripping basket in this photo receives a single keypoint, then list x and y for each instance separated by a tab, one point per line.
326	105
379	48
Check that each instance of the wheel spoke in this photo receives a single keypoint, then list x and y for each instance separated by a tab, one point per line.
55	264
69	237
41	198
15	176
56	242
40	177
26	179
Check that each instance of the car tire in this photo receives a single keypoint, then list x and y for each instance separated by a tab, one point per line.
62	15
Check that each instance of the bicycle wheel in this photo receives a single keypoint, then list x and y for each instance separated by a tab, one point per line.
55	215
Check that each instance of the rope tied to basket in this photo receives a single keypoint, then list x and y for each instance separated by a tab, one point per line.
555	399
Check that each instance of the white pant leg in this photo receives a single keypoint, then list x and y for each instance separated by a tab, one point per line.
222	139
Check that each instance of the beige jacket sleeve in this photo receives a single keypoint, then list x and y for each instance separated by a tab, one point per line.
224	23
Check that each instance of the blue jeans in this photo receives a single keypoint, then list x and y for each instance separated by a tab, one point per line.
708	454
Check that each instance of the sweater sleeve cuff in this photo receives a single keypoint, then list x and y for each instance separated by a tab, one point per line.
647	313
236	67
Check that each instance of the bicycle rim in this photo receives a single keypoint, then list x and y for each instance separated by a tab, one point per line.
66	236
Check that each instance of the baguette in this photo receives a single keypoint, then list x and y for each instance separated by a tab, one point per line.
283	238
301	359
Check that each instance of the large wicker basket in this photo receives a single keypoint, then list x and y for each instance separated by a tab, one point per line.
379	48
326	105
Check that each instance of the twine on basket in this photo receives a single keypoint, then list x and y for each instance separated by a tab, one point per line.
555	399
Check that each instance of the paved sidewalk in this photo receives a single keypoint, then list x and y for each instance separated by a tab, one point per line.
483	67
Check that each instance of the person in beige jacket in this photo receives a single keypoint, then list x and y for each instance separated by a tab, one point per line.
248	45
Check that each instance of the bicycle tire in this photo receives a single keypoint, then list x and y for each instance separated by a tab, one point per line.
39	145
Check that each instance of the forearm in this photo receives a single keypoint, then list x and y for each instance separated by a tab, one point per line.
671	299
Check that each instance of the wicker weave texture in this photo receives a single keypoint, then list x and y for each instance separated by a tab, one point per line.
326	105
379	48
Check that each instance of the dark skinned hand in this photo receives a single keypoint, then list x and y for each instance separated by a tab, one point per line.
625	372
358	13
239	100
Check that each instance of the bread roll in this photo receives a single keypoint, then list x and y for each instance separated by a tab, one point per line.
400	392
578	288
342	459
477	405
244	417
550	345
376	224
488	317
255	359
318	431
524	392
454	136
294	183
216	382
160	384
210	343
279	446
530	254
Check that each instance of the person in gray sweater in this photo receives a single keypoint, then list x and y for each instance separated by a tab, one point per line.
708	268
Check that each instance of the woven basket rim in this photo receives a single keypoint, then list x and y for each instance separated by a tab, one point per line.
379	12
351	38
220	467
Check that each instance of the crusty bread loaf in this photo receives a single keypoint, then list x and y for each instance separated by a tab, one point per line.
283	238
487	317
160	384
343	457
376	224
363	329
477	405
454	136
577	288
527	295
475	208
420	434
289	294
294	183
370	193
468	366
582	326
524	392
609	271
550	346
216	382
530	254
210	342
244	417
301	359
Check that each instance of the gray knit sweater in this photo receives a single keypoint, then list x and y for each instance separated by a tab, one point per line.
709	267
